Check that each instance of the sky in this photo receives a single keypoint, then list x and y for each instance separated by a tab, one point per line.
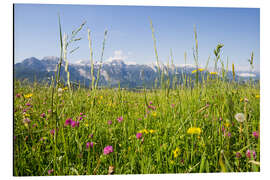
36	33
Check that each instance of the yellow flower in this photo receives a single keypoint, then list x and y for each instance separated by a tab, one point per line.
194	130
101	97
213	73
65	88
86	125
201	69
28	95
241	99
143	131
172	162
257	96
227	124
154	113
176	152
152	131
194	71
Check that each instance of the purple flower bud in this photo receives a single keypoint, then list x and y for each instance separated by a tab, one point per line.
89	144
28	104
254	155
248	153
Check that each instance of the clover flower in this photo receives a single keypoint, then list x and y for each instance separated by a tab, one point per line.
108	150
120	119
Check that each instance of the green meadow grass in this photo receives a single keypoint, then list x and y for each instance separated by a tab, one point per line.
210	108
183	128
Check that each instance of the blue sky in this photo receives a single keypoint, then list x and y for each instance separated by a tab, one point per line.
129	32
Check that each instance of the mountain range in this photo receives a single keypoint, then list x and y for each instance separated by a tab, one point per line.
113	72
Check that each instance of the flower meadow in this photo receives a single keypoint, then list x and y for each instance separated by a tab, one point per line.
206	130
198	126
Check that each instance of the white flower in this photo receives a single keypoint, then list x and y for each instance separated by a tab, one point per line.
240	117
60	90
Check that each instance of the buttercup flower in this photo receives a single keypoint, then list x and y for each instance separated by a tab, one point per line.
194	130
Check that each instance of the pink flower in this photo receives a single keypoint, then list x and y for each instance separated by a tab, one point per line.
254	155
139	119
89	144
120	119
150	102
255	134
108	150
43	115
75	123
18	95
50	171
68	121
173	105
52	131
248	153
139	135
109	122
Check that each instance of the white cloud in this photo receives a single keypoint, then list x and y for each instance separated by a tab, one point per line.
118	54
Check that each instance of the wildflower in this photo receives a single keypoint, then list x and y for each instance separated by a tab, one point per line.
173	105
154	114
109	122
60	90
176	152
238	155
91	144
229	134
248	153
257	96
91	136
227	124
213	73
150	102
240	117
50	171
254	154
28	104
152	131
86	124
139	135
139	119
43	115
194	130
152	107
28	95
26	121
18	95
194	71
52	131
108	150
74	123
200	69
68	121
120	119
34	125
255	134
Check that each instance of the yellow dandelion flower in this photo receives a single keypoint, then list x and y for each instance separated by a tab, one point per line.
176	152
28	95
194	130
257	96
213	73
